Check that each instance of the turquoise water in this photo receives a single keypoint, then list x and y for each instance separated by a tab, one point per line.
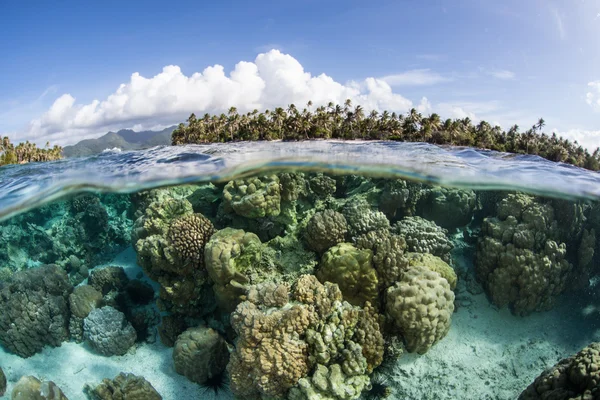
309	270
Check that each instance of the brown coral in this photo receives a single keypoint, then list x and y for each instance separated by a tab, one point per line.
576	377
421	306
200	353
125	386
189	234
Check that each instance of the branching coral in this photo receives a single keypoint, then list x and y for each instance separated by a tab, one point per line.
35	310
421	307
575	377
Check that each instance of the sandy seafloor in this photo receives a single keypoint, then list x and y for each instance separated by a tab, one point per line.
488	353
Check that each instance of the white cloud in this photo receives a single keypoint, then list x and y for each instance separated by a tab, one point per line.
593	96
502	74
273	79
415	77
586	138
559	23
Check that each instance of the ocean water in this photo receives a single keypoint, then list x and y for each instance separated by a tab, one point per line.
309	270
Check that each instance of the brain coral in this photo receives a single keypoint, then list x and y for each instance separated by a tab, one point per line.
324	230
576	377
424	236
170	248
352	269
125	386
35	310
253	197
200	353
517	260
108	332
421	307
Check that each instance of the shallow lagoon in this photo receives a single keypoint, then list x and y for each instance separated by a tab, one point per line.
297	282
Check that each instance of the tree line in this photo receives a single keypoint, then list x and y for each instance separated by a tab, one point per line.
346	121
26	152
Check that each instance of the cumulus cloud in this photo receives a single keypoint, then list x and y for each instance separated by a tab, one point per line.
415	77
274	79
593	96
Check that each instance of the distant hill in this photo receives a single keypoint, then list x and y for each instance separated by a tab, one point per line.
125	139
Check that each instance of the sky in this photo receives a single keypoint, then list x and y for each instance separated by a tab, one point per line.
72	70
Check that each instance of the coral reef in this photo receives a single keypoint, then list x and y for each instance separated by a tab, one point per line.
399	198
361	218
321	185
424	236
108	332
421	306
35	310
169	241
108	279
31	388
287	342
389	257
352	270
2	382
81	302
449	208
575	377
253	197
435	264
200	354
124	386
517	260
324	230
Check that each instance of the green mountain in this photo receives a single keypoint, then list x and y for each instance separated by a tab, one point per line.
125	139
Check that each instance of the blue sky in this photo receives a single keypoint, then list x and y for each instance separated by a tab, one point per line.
506	62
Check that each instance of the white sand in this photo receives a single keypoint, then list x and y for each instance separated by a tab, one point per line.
488	354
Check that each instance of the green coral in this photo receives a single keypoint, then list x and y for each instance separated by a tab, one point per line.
518	261
253	197
361	218
324	230
236	259
421	306
352	269
399	198
170	242
450	208
321	185
424	236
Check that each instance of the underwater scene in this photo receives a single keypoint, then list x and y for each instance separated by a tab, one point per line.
301	271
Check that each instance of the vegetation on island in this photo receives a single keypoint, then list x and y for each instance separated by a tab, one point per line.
348	122
27	152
